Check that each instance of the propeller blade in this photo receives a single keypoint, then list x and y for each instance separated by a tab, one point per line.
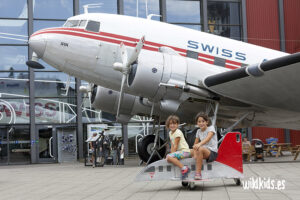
125	66
123	54
137	51
121	93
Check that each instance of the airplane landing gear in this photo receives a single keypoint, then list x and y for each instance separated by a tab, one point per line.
145	149
34	62
151	147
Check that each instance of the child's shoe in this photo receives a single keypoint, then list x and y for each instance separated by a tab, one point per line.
185	170
198	176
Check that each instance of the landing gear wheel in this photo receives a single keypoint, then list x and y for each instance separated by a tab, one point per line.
237	181
184	183
192	185
145	146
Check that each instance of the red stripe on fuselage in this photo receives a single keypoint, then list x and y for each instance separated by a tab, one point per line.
207	61
231	66
95	37
233	62
206	56
129	39
129	42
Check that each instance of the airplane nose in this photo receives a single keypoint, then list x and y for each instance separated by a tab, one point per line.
38	44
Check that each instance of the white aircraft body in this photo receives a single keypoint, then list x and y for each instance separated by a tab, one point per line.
172	69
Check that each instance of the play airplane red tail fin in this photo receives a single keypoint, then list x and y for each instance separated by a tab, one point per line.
230	151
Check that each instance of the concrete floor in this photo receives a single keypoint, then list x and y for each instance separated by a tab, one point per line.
75	181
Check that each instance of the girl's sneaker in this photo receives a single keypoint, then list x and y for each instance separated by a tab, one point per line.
185	170
198	176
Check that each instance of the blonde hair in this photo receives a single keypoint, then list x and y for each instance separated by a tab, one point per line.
172	118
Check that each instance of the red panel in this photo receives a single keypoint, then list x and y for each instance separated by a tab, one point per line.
291	23
263	133
295	137
230	151
262	23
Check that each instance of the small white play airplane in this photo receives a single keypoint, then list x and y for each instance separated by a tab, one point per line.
163	69
229	164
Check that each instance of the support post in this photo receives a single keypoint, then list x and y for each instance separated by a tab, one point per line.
125	138
205	18
33	134
287	136
120	7
281	25
163	10
249	133
244	20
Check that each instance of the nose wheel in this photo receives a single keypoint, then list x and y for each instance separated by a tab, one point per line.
33	63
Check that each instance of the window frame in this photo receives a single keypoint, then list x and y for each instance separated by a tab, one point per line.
86	26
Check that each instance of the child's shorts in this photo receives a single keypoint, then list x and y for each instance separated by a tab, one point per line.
212	156
180	155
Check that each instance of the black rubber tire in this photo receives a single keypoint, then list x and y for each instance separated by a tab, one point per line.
140	150
184	183
143	145
237	181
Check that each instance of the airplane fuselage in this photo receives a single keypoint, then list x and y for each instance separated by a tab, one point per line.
90	55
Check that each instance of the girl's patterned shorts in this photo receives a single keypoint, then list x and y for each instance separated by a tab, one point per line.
180	155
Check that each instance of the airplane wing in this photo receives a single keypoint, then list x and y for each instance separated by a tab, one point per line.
274	83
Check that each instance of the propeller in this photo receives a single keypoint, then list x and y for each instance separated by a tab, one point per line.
125	66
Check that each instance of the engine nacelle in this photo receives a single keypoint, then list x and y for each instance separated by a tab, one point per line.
145	76
107	100
154	68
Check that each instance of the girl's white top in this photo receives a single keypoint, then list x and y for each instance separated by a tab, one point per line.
213	143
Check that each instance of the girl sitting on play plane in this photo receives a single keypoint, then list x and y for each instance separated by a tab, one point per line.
207	148
179	147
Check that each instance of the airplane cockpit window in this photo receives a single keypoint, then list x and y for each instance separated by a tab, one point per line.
82	23
71	23
93	26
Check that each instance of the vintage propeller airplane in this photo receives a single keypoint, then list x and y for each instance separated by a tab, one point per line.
145	67
172	69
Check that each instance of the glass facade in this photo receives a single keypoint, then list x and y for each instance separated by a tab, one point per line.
140	9
54	9
13	59
183	11
96	6
52	107
13	9
224	19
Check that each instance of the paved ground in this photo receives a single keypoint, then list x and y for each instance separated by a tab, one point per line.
74	181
